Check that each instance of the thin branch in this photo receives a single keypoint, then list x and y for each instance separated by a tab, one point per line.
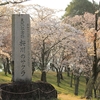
15	2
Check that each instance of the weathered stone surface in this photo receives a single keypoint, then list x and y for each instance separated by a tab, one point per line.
21	50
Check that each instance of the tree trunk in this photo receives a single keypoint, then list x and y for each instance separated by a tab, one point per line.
8	67
58	73
76	85
12	68
65	69
89	87
43	76
61	76
95	92
5	69
33	66
71	81
68	72
58	78
87	79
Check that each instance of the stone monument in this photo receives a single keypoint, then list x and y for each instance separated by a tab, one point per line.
22	87
21	50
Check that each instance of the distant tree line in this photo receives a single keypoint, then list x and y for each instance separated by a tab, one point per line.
79	7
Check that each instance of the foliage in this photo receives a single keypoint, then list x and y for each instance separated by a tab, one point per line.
79	7
81	22
2	3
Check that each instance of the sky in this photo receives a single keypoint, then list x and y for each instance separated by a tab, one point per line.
54	4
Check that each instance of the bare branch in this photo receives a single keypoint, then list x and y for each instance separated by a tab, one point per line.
14	2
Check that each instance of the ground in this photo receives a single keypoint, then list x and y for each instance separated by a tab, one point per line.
69	97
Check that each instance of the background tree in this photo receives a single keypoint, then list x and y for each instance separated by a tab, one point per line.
79	7
46	42
46	30
5	32
81	22
58	63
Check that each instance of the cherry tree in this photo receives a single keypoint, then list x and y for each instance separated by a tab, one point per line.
91	32
7	8
81	22
91	38
59	62
82	59
5	34
46	31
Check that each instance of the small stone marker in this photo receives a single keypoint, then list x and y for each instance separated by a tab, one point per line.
21	47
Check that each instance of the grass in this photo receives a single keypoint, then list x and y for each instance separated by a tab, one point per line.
51	78
4	78
64	85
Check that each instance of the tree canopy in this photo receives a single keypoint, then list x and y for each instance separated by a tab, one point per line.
79	7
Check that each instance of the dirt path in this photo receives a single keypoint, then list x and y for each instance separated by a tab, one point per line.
68	97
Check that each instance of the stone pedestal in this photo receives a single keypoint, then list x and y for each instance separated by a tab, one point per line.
19	91
28	91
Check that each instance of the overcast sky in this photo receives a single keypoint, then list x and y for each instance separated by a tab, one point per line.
54	4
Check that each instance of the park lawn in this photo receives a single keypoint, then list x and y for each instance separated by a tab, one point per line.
64	85
64	91
4	78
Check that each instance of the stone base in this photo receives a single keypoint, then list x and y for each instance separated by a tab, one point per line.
28	91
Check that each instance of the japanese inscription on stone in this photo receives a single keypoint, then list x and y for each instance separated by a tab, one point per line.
21	53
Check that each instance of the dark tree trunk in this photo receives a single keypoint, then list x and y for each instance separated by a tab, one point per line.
12	68
87	79
43	76
58	73
95	92
33	66
71	81
5	69
8	67
68	72
65	69
58	78
89	88
61	76
76	85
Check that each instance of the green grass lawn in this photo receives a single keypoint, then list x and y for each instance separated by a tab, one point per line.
51	78
64	85
4	78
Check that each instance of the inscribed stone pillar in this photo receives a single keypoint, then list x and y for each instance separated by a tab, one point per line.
21	47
